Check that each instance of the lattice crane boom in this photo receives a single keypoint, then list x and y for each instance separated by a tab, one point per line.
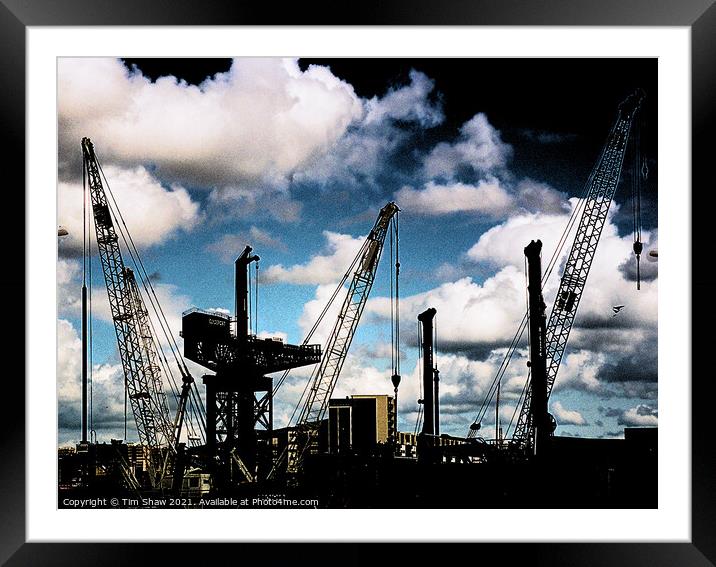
602	185
130	317
339	341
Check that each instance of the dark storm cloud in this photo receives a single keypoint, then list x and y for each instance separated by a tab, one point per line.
69	418
230	245
616	433
454	405
634	367
381	149
635	390
619	339
544	137
605	328
232	203
69	247
609	411
472	350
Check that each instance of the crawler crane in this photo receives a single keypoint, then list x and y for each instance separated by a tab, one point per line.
313	408
534	419
142	358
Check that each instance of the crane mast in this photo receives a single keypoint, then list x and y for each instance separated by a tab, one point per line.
138	354
325	377
602	185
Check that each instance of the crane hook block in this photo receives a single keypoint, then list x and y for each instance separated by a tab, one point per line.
638	247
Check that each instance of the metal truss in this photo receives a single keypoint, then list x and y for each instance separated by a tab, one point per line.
334	354
602	185
130	318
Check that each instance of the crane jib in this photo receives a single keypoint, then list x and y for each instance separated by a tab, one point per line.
138	353
334	353
602	185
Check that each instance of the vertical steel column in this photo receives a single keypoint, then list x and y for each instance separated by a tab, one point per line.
538	344
242	292
436	401
426	318
84	363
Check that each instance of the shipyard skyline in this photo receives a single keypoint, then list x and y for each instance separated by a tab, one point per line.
295	158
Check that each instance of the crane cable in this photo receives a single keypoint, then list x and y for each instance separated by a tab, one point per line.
518	406
395	313
340	287
562	242
501	372
250	303
421	400
144	277
575	214
195	400
319	320
146	281
91	334
256	301
396	222
87	275
521	329
392	310
640	171
396	345
436	377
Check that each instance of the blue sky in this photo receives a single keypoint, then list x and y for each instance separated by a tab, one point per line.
296	158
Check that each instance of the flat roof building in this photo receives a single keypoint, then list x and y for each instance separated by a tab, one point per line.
359	423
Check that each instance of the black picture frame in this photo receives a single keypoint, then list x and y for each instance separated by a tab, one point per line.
698	15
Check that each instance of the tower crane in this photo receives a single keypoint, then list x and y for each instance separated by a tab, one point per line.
138	352
324	378
601	187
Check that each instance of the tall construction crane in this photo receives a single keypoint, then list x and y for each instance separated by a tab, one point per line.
601	186
133	328
324	377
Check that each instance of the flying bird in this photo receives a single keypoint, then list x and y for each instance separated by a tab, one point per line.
617	309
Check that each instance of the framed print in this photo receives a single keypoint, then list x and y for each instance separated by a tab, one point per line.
327	282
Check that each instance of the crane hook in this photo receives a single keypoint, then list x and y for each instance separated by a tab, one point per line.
638	247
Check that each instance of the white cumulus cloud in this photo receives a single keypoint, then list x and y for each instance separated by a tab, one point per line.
468	313
606	355
479	148
565	416
107	391
152	212
264	117
487	197
382	134
408	103
640	416
326	267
